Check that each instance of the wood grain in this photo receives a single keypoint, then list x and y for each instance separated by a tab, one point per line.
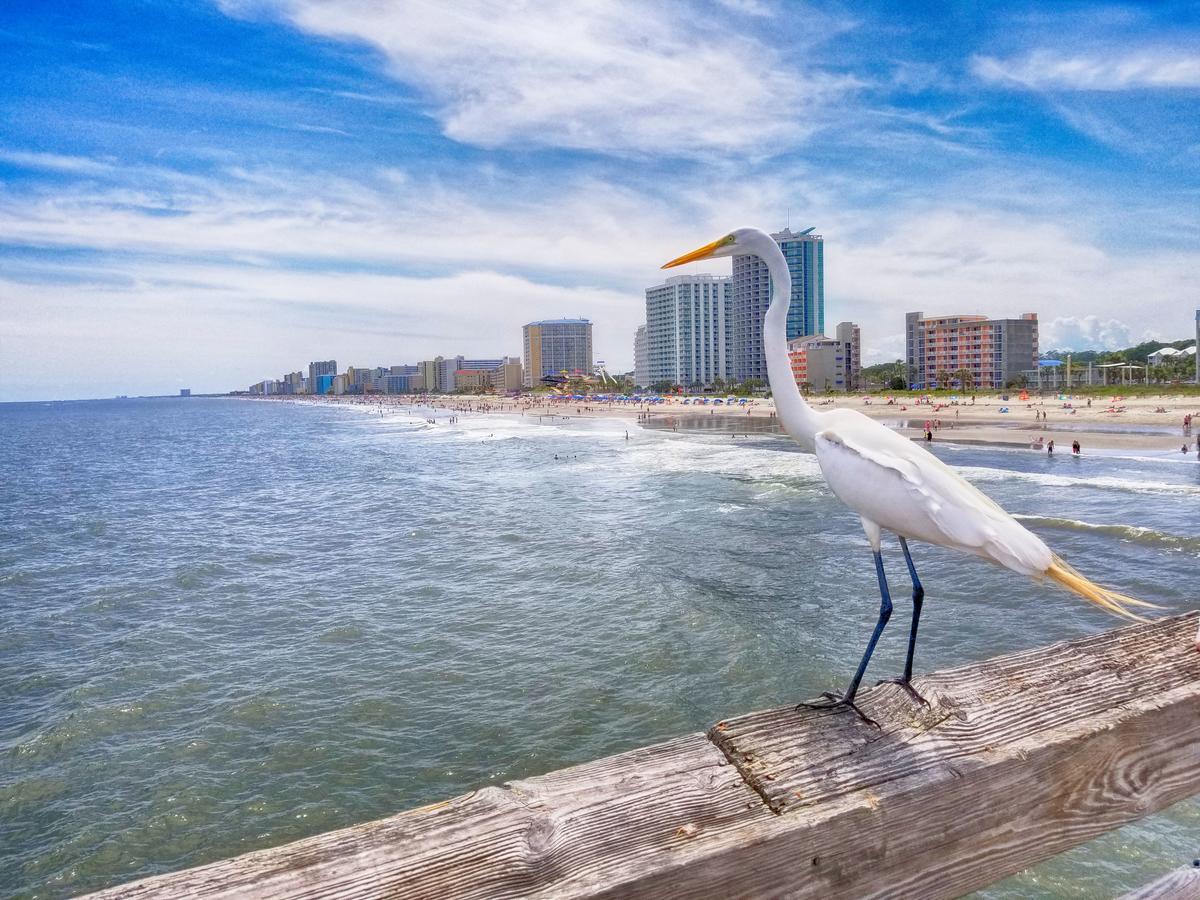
1181	884
1015	760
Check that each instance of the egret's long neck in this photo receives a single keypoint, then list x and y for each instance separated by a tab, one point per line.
799	419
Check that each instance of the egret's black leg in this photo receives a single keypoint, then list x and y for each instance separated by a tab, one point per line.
885	613
918	598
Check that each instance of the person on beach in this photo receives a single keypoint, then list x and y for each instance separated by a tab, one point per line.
1050	448
1075	447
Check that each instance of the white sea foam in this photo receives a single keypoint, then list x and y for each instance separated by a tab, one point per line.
1137	534
1100	482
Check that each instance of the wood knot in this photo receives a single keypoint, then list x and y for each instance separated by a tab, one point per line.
539	834
687	831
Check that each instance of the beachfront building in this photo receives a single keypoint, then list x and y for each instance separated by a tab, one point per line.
820	364
641	358
428	370
555	346
358	379
450	367
407	383
293	383
1165	354
805	254
507	377
850	337
319	368
688	330
969	351
477	381
1198	345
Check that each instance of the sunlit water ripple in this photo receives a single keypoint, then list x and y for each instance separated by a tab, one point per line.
225	625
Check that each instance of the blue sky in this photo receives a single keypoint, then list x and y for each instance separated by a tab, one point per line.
204	194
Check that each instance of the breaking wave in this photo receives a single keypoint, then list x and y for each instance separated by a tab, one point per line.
1101	482
1134	534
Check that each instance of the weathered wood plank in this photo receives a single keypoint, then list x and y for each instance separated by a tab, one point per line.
1005	705
1015	760
567	833
1181	884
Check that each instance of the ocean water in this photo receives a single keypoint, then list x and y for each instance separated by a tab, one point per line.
226	624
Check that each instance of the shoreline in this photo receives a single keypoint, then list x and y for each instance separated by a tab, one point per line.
1117	424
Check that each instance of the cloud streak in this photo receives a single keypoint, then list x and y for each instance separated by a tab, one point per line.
611	75
1049	70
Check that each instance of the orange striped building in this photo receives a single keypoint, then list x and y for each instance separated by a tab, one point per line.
994	351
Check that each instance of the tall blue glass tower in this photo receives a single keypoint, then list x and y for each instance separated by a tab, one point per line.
805	255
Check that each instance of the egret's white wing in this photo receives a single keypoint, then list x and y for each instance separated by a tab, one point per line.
896	483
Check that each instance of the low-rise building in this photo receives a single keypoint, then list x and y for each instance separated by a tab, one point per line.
508	376
969	351
408	383
1158	357
819	363
475	380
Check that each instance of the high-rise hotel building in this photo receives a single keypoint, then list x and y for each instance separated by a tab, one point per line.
554	346
315	372
805	254
689	326
641	358
994	351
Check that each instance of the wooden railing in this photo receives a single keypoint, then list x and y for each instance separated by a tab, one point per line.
1014	760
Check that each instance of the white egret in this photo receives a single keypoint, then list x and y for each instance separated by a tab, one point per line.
890	481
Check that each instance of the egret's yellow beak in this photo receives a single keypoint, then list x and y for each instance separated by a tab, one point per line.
702	253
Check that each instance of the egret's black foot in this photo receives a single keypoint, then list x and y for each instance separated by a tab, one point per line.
832	701
907	685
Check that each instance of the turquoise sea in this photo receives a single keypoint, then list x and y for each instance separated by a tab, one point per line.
227	624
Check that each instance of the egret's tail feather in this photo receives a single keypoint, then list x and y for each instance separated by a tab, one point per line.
1116	603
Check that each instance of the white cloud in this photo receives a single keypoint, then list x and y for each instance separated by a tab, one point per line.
285	253
945	260
586	226
56	162
748	7
138	327
1085	333
610	75
1099	71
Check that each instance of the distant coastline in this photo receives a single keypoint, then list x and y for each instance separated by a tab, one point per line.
1147	424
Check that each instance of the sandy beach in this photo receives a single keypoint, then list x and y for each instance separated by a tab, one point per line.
1149	424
